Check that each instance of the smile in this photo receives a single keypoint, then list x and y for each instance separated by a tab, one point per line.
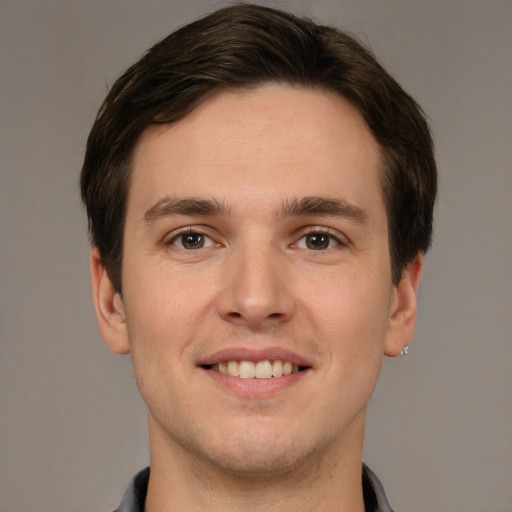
256	370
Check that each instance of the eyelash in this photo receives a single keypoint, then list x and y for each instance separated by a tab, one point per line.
189	231
320	231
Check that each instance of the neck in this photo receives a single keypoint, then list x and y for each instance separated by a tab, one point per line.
328	480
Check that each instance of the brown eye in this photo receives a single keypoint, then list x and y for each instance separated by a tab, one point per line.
318	241
191	241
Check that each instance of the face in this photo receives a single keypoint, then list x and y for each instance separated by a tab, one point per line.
256	244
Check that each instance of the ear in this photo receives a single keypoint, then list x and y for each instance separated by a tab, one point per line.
403	309
109	307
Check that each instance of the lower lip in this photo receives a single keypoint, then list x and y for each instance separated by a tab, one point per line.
256	387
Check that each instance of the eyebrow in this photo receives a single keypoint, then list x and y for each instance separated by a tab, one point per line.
169	206
315	205
295	207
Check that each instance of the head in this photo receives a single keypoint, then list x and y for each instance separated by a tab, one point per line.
259	193
241	48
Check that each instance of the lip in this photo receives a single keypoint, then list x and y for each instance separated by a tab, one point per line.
254	388
254	355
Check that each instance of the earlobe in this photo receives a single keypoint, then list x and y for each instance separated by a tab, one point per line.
402	315
109	307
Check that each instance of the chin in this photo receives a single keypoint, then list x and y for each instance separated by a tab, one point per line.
253	457
260	453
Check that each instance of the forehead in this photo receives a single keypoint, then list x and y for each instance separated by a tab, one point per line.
266	143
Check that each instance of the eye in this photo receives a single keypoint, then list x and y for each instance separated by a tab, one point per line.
191	240
317	241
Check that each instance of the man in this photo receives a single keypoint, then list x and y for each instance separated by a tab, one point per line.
260	195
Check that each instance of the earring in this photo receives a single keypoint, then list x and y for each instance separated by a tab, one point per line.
405	350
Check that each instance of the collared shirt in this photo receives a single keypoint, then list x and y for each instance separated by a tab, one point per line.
374	496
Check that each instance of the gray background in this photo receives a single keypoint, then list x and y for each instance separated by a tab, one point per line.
72	428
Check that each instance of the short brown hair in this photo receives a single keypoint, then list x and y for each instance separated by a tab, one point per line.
244	46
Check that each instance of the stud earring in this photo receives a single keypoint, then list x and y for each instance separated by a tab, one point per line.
405	350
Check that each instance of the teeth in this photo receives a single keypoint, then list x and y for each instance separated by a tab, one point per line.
263	370
260	370
277	368
246	370
233	368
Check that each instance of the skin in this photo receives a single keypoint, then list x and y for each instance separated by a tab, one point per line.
258	282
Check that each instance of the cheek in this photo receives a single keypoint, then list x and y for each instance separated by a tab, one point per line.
157	345
353	303
164	314
352	315
161	303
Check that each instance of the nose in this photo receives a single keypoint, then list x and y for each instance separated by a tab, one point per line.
257	289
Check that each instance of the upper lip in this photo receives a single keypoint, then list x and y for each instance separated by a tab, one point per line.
255	355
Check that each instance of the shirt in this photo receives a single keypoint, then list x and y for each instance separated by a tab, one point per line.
374	496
